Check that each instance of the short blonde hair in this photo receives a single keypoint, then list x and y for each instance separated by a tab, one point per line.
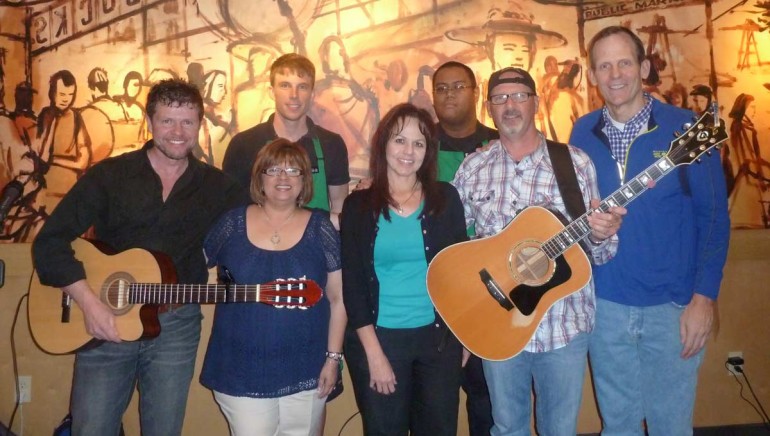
281	151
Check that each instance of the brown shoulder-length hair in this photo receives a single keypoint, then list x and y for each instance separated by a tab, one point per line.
280	152
392	124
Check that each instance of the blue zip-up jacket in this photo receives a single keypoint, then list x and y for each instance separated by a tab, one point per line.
673	241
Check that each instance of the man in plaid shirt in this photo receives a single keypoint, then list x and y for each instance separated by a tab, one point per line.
494	185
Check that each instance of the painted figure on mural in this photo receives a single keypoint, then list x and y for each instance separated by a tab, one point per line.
133	111
62	144
99	84
753	169
23	115
25	217
17	129
562	104
218	122
342	104
251	100
98	115
701	98
419	95
509	37
676	95
9	134
130	127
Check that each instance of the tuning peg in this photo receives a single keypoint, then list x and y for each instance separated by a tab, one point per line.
687	126
677	133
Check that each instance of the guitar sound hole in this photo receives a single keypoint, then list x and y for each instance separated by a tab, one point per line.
529	264
116	293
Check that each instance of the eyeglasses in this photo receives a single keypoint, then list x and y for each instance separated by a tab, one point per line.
456	87
518	97
276	171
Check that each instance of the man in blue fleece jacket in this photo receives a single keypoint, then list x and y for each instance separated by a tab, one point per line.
655	300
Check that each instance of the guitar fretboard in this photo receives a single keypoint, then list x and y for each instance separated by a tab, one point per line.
579	229
159	293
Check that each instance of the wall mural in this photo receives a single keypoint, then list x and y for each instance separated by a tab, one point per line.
74	73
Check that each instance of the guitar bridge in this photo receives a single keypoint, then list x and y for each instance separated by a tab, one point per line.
494	290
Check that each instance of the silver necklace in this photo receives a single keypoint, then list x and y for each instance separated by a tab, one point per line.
276	238
399	208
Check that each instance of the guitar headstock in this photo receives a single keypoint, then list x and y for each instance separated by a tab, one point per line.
706	133
290	293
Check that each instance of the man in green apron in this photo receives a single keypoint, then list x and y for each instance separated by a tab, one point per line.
455	93
292	78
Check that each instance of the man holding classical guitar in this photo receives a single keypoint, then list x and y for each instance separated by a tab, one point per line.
655	299
158	198
495	186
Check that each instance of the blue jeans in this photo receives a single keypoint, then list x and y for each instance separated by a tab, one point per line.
558	379
638	373
162	367
427	395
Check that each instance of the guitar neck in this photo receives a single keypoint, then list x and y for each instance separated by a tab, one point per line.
579	229
161	293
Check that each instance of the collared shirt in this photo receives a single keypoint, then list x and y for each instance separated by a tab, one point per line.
122	198
621	139
494	189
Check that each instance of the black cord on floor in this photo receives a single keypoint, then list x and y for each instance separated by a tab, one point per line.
347	422
762	414
745	377
13	359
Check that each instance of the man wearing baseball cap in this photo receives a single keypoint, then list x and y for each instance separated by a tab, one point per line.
516	171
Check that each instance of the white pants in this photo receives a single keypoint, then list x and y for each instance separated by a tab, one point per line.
293	415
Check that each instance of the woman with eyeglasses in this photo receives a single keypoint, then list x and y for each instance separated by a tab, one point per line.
404	362
271	368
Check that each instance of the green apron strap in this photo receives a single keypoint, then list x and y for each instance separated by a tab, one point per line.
449	162
320	198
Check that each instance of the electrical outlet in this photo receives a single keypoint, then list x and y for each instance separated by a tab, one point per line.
25	389
733	354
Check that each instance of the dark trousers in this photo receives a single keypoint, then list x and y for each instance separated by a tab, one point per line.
478	405
428	382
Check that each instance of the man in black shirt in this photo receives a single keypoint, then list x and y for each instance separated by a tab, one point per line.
158	198
455	94
292	79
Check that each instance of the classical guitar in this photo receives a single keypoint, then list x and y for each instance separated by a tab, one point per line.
493	292
135	293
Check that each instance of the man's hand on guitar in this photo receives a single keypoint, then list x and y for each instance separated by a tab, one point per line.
604	224
98	318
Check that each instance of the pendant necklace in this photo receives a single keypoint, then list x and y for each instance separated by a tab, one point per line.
399	208
276	238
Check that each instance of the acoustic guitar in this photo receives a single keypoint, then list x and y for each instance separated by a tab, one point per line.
135	294
493	292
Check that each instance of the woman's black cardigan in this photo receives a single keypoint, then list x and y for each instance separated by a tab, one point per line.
358	228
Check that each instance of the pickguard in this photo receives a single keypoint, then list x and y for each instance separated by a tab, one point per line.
526	297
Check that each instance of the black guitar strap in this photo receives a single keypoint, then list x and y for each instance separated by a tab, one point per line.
566	178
